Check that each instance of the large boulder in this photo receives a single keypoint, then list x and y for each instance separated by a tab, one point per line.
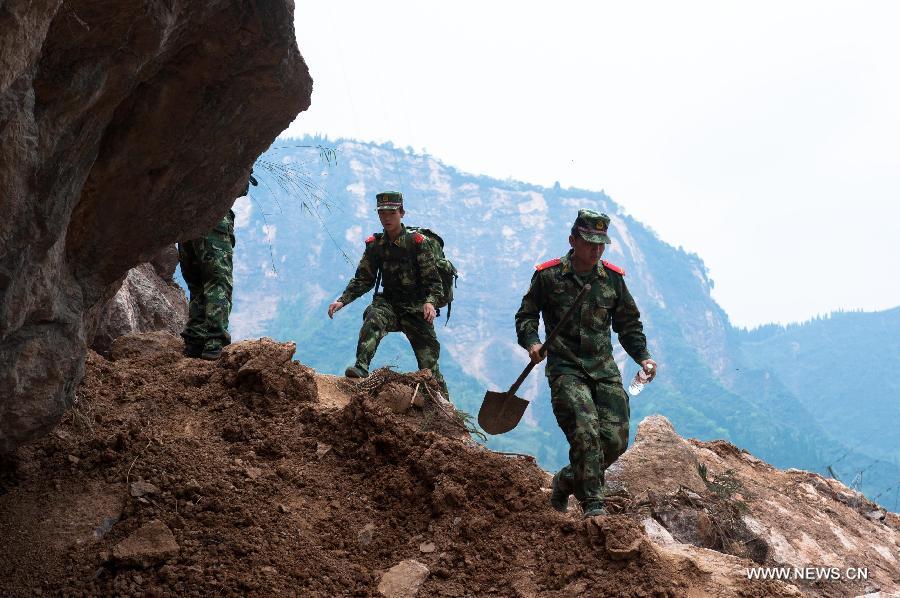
147	300
125	126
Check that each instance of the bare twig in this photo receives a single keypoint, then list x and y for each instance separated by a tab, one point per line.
128	474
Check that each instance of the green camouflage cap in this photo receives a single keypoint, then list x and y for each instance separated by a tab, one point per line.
592	226
389	200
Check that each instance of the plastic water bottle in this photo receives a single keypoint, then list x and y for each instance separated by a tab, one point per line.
639	381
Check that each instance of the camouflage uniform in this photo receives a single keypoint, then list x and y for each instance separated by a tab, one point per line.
587	396
206	264
410	279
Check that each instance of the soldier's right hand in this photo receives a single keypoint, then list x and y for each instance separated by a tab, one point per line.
535	353
337	305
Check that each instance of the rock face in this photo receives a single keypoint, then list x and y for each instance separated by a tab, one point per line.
124	127
148	300
719	510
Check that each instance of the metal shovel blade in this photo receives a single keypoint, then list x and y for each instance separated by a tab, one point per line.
500	412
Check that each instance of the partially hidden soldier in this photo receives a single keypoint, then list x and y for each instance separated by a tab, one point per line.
399	260
587	396
207	268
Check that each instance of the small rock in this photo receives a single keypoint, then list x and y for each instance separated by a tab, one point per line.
141	488
322	449
151	543
657	533
403	580
73	459
876	515
335	504
253	472
269	570
693	495
366	534
62	434
750	458
283	509
427	547
105	525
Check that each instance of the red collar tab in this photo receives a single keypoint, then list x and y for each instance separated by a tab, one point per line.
613	267
418	237
370	239
548	264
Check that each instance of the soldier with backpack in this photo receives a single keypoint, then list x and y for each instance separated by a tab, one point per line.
408	264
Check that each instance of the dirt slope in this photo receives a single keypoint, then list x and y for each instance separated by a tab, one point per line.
254	475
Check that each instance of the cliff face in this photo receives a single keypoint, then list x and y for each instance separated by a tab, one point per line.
124	126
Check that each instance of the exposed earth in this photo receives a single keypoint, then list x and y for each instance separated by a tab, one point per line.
256	475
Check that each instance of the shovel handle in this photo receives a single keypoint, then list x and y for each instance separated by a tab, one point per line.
566	316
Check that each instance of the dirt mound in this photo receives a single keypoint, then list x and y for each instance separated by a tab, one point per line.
177	476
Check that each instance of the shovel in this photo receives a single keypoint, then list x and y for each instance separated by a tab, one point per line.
501	411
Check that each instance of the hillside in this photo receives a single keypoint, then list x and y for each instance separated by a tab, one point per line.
301	233
257	475
841	368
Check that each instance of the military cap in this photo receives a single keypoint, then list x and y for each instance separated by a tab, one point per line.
592	226
389	200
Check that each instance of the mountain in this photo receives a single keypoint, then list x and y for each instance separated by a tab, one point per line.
301	232
841	369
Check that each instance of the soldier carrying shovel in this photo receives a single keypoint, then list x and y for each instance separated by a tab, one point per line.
586	391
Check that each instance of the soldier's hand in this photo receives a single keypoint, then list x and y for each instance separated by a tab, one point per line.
337	305
535	353
650	371
429	312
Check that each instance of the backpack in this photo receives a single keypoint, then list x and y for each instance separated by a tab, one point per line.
448	272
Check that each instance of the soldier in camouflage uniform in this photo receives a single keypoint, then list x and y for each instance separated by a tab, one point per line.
411	283
586	391
206	264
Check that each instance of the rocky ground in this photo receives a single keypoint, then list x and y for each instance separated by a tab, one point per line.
255	475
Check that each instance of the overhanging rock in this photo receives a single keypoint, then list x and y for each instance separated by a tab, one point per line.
124	127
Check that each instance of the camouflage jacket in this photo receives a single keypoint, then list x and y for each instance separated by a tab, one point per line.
584	345
409	274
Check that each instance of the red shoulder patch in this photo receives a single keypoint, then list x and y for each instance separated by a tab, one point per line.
370	239
548	264
613	267
418	237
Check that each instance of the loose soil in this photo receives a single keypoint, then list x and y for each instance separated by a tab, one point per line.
277	481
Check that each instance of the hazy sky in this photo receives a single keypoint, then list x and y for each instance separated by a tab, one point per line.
764	136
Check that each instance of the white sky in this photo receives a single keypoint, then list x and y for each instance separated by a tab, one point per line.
764	136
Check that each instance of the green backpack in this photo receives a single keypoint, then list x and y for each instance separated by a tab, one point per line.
449	274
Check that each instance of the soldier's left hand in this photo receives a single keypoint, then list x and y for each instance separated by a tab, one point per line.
429	312
652	371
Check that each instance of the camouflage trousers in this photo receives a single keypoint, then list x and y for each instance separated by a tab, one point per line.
594	417
206	265
384	316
